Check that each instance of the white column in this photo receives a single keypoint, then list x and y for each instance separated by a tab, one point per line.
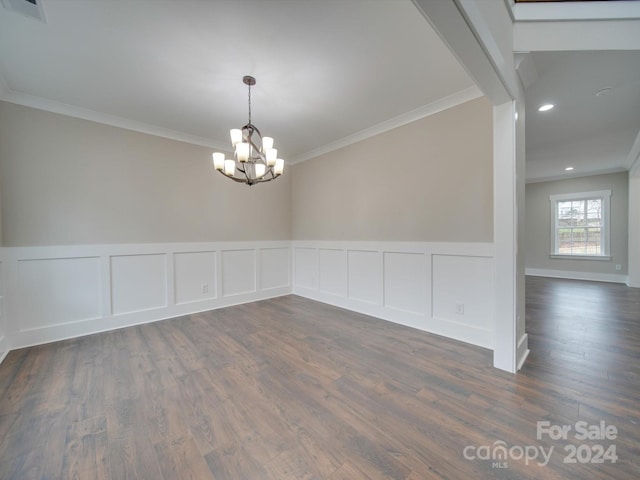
634	231
4	339
505	234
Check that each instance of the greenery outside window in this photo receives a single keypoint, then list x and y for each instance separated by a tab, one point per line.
580	225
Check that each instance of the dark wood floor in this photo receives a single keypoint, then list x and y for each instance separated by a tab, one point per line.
293	389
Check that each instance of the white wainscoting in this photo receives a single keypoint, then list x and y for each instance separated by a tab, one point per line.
443	288
238	272
53	293
138	282
195	276
57	291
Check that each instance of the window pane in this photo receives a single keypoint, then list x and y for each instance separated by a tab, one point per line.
579	236
572	213
578	242
564	241
579	226
594	212
582	215
564	209
594	243
579	249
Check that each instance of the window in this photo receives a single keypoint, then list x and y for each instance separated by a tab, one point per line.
580	224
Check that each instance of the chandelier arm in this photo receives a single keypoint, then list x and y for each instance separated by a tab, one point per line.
257	150
251	129
239	180
249	181
246	175
263	180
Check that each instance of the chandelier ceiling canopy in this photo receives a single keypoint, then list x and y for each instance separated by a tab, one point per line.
255	160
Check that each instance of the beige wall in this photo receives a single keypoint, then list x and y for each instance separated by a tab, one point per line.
1	244
69	181
538	223
430	180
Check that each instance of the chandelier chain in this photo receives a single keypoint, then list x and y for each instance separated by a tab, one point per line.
249	103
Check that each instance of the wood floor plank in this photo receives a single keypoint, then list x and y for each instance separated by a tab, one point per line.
86	451
234	461
27	446
289	388
21	390
211	431
166	419
348	471
179	458
296	463
132	455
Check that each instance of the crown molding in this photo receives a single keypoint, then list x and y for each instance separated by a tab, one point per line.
445	103
633	159
54	106
570	176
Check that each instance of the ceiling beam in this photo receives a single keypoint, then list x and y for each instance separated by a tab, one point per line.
576	35
554	11
448	20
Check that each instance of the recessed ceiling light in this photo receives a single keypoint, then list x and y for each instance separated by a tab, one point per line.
568	169
546	107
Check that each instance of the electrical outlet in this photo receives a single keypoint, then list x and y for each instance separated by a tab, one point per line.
204	288
460	308
618	267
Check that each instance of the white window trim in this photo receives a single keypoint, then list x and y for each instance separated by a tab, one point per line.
606	212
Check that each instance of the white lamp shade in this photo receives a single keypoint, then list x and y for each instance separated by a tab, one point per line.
242	151
260	169
218	161
236	136
229	167
267	144
279	168
271	155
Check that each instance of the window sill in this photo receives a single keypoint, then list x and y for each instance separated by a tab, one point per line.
580	257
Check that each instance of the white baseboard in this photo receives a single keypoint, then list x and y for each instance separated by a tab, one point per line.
55	333
438	326
4	348
572	275
522	351
441	288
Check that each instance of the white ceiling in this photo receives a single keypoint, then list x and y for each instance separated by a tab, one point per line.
589	132
328	73
325	70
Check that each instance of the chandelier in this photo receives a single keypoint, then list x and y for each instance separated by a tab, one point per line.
255	158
